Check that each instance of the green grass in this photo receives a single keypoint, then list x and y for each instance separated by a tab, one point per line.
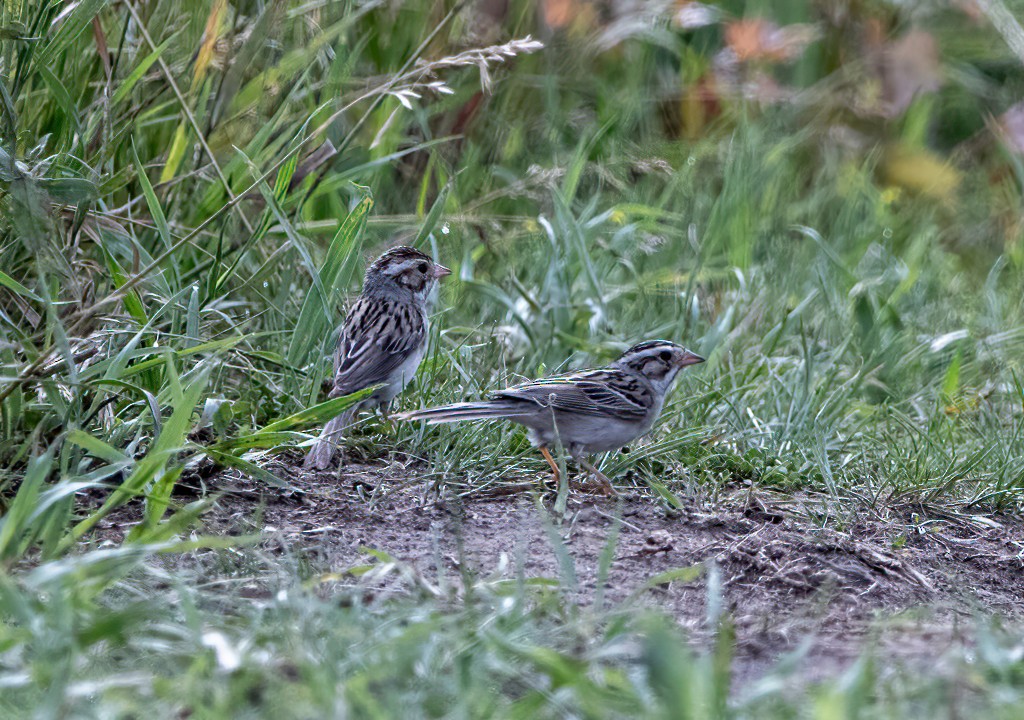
855	280
164	643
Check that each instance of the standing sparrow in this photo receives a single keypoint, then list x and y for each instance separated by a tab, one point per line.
383	338
590	411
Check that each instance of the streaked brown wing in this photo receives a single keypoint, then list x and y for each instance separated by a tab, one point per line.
377	337
596	393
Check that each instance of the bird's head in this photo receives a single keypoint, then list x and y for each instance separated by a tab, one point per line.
658	360
405	271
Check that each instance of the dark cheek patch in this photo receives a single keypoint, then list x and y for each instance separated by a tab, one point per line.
655	369
413	280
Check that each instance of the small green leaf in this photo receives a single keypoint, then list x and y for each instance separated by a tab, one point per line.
136	74
679	574
430	222
159	497
16	31
70	28
11	284
246	466
70	190
664	493
319	413
15	529
132	301
951	383
222	418
96	447
314	317
192	319
176	153
151	200
63	97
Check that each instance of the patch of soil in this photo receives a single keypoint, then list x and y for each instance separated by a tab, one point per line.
780	577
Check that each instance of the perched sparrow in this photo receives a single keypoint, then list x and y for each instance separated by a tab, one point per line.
383	338
589	412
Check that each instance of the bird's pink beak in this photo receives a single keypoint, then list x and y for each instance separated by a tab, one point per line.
440	271
690	358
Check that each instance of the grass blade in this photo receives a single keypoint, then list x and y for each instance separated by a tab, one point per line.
315	318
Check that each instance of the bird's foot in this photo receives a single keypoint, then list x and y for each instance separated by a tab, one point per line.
604	485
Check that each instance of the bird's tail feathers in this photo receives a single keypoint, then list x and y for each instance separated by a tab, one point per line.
467	411
320	454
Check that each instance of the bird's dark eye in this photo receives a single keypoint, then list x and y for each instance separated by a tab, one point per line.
422	267
665	355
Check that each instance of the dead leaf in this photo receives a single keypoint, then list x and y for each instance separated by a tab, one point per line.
101	44
209	42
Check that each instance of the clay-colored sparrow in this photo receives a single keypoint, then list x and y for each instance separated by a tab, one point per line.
590	411
383	338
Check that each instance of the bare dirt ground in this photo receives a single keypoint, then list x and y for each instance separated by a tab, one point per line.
908	584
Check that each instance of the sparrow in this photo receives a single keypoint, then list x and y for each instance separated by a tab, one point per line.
591	411
382	340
